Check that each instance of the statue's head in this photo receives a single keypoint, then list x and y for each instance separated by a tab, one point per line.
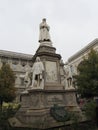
44	19
37	59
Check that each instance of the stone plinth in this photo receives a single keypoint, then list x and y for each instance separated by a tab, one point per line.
36	105
45	43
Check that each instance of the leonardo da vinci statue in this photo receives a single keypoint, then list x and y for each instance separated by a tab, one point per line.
44	32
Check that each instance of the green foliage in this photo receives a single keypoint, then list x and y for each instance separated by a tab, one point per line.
78	125
90	108
7	111
75	118
87	78
7	83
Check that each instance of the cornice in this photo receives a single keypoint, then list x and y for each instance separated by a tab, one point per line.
83	50
16	55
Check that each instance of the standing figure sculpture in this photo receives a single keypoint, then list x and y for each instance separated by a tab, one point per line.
69	76
44	32
37	74
27	79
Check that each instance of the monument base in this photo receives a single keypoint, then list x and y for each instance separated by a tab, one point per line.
35	111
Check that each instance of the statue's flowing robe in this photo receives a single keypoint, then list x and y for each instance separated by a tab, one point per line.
37	69
44	32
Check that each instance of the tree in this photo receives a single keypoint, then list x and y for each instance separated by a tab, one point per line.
7	83
87	78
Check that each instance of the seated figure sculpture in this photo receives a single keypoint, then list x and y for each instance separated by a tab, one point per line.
37	74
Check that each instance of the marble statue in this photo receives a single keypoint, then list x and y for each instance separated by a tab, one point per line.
44	32
68	75
27	79
37	74
74	70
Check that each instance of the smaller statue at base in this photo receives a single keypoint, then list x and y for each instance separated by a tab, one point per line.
38	74
34	79
27	80
69	77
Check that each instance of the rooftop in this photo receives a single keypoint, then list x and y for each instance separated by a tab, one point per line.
83	50
10	54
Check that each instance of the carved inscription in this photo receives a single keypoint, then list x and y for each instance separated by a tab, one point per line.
51	72
54	99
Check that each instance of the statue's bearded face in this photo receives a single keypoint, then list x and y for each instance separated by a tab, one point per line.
44	20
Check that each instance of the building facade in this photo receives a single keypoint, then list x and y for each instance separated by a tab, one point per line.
74	60
19	63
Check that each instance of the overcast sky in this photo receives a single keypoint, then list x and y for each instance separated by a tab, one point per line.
73	24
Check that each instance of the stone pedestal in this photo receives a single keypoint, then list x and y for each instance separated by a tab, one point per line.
46	44
36	104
